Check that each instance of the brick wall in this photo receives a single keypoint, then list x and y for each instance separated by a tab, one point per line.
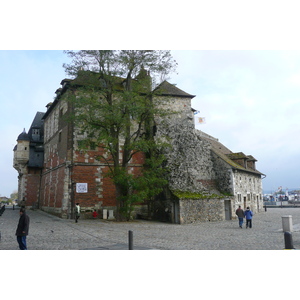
53	190
33	187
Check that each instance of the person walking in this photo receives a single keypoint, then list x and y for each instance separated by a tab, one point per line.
22	229
248	215
240	213
77	212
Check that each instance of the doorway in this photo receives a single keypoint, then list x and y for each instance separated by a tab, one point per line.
175	205
227	204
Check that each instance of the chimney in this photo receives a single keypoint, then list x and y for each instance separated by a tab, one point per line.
48	105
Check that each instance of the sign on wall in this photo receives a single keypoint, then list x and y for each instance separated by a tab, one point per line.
81	187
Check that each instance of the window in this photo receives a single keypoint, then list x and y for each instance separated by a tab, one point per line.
83	144
239	197
92	145
35	134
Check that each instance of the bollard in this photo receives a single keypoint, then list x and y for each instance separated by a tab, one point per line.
111	214
265	207
130	240
104	214
288	240
287	223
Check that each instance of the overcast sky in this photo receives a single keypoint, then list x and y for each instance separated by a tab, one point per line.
249	99
251	103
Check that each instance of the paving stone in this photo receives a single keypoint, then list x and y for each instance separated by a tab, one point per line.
48	232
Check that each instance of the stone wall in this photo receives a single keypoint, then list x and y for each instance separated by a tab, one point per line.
223	173
188	159
201	210
190	169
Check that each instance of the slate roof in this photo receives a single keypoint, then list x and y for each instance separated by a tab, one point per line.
84	78
229	157
23	136
168	89
92	79
36	152
37	123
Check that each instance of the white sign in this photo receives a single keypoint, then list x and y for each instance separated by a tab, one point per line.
81	187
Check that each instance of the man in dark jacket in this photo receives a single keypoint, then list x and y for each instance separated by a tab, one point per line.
240	213
22	229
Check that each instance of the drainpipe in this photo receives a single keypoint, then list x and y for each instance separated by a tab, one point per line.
233	191
72	199
232	181
40	189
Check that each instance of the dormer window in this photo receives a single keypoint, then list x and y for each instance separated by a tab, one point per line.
35	134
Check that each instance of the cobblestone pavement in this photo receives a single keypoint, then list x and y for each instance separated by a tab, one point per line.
48	232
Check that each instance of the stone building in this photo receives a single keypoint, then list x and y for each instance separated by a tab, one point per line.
236	174
29	160
206	180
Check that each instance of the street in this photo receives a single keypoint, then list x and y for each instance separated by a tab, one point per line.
49	232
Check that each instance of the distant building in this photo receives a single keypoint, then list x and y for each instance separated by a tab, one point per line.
4	199
29	160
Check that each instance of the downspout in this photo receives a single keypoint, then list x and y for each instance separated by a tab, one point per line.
40	189
233	192
232	181
71	147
